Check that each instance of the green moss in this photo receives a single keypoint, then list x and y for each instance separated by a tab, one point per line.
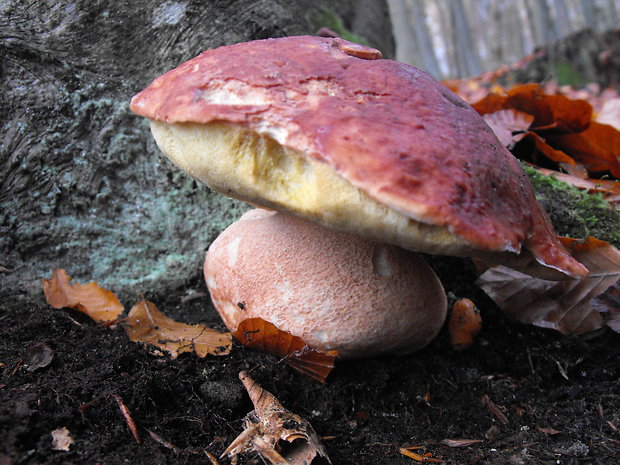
325	17
567	75
573	212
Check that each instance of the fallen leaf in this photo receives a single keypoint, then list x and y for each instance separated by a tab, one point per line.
551	112
145	323
598	147
494	409
509	125
464	324
408	452
460	442
37	356
541	145
262	335
608	305
98	303
61	439
549	431
127	417
571	306
609	113
269	426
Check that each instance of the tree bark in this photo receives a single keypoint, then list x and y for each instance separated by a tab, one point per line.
406	44
423	38
467	58
82	184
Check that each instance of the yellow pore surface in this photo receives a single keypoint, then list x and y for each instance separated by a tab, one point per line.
255	168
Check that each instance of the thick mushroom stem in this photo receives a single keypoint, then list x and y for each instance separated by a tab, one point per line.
334	290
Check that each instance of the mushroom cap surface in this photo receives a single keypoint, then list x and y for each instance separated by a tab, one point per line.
334	290
327	130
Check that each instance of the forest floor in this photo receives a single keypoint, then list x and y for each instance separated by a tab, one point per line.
530	395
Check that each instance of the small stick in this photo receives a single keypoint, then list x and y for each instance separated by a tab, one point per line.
125	411
159	440
211	457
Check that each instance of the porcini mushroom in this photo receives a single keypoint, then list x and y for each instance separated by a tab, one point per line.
326	130
334	290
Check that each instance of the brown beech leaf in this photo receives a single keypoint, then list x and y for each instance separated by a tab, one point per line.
598	147
270	426
609	113
98	303
262	335
571	306
551	112
608	304
543	147
509	125
145	323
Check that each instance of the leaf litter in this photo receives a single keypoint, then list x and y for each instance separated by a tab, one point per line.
259	334
571	306
146	324
279	436
98	303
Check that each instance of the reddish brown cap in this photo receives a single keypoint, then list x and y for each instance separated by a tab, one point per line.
389	129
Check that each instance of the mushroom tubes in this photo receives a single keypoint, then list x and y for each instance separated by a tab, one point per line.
328	131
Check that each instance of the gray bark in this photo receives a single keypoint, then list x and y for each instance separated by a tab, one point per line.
543	25
589	13
406	46
562	22
425	44
82	184
467	58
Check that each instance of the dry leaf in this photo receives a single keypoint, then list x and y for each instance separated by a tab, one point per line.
609	113
98	303
608	305
598	147
61	439
270	426
426	458
547	150
569	306
460	442
509	125
550	112
37	356
145	323
262	335
496	410
549	431
464	325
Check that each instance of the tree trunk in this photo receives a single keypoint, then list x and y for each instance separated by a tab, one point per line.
467	58
82	184
406	44
423	38
562	22
543	25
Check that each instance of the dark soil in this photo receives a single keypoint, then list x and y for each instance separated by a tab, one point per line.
560	396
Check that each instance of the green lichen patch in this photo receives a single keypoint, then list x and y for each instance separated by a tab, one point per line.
573	212
325	17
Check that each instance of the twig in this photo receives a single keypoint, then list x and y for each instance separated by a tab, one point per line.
159	440
494	409
125	411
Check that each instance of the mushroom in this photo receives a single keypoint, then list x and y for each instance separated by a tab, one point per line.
328	131
334	290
